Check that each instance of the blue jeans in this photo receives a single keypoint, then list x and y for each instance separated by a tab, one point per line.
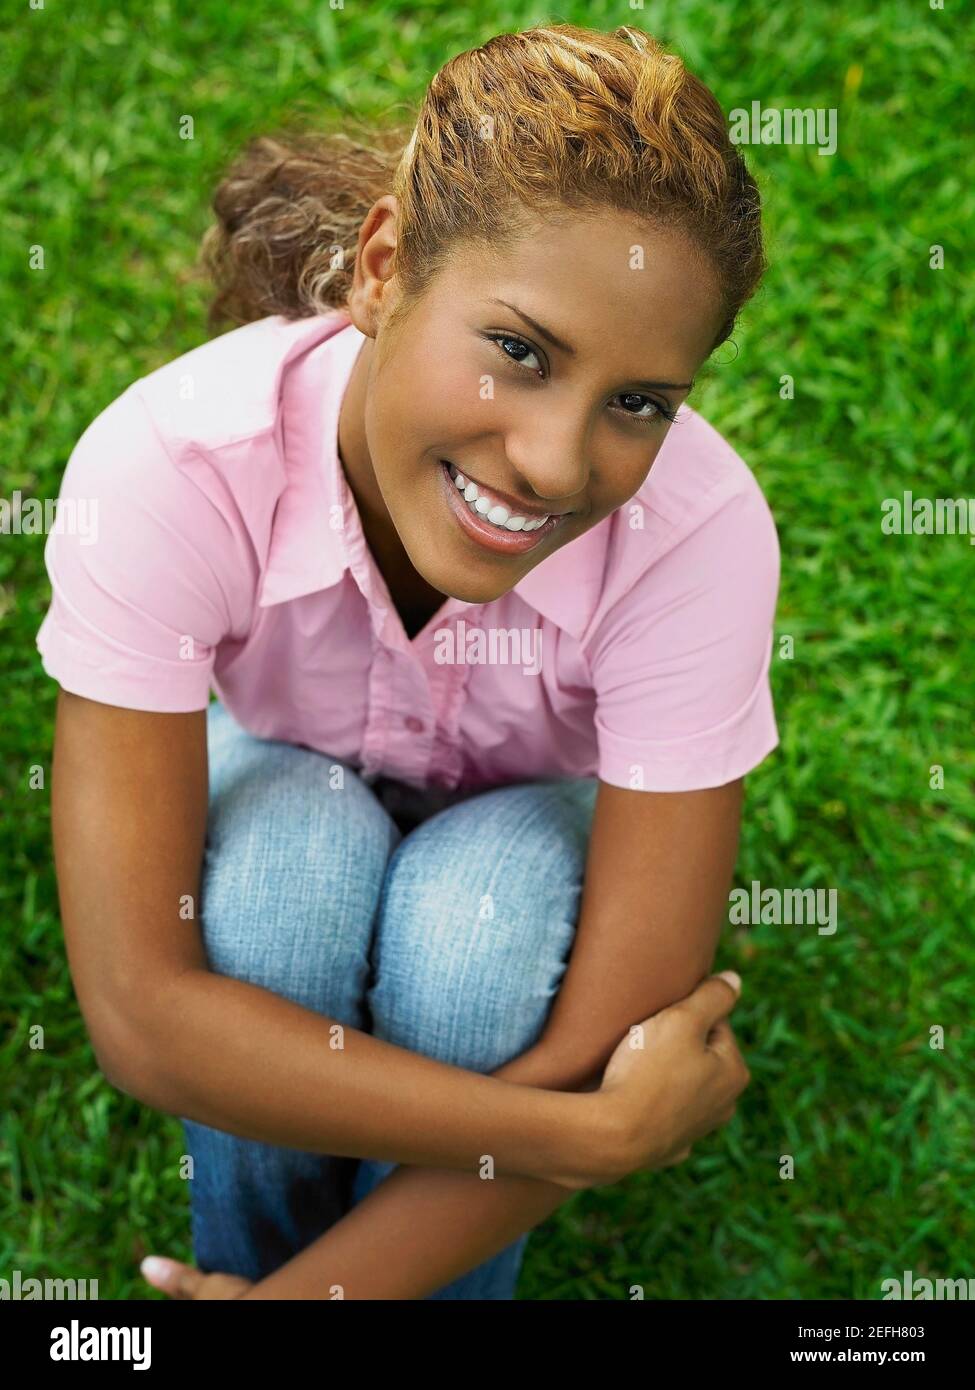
442	928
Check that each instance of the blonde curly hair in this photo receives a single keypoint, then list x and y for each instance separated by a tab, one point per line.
548	122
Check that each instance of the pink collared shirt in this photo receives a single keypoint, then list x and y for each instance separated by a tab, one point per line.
228	554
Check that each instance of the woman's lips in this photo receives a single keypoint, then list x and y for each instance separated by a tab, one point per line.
488	535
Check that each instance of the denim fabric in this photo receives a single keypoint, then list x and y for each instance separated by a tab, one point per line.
442	928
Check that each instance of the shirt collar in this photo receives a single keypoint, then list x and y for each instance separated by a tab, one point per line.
306	552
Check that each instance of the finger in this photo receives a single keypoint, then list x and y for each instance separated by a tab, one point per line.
721	1039
712	1001
724	1045
715	1121
678	1158
172	1276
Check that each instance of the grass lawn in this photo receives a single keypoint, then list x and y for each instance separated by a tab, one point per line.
836	1028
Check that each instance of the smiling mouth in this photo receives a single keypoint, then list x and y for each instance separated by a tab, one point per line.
497	508
492	523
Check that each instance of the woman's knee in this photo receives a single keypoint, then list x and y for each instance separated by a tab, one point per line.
476	922
296	852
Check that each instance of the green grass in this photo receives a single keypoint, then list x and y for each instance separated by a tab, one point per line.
835	1028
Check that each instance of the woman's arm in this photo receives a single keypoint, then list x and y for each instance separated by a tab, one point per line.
655	896
129	812
421	1228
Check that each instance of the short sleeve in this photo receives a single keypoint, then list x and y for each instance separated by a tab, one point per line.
137	558
681	664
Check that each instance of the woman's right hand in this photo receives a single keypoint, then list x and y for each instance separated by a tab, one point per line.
673	1078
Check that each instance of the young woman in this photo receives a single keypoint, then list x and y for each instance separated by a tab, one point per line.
413	926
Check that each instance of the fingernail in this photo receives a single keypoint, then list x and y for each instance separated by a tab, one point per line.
733	978
154	1268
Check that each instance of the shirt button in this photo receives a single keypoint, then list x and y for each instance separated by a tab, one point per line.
415	726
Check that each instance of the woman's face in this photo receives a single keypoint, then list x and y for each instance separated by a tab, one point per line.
567	430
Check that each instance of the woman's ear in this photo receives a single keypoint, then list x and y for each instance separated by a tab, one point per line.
373	278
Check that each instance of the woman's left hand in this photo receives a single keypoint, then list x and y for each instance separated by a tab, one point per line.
185	1281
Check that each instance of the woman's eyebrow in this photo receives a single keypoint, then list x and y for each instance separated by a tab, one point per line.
564	347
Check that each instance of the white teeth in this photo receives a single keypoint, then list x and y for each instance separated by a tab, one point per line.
496	514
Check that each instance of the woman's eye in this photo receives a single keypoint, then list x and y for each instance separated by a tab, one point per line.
503	338
655	409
